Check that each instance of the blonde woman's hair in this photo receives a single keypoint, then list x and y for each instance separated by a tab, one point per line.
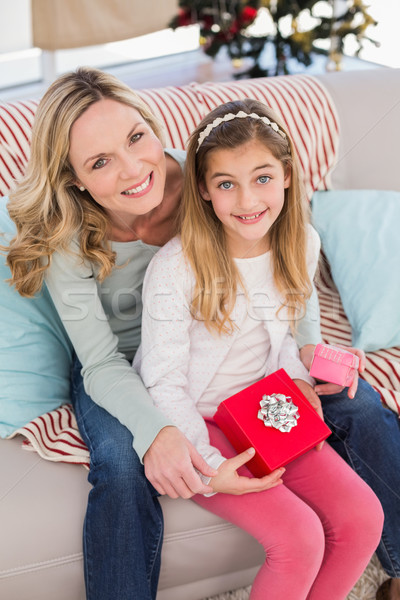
47	207
202	234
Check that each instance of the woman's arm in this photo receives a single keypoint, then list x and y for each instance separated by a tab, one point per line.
108	376
112	383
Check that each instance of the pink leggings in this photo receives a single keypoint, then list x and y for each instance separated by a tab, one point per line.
318	529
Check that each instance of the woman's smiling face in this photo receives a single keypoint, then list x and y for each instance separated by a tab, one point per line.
118	158
246	186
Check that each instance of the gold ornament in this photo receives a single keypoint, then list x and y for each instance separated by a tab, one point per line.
237	63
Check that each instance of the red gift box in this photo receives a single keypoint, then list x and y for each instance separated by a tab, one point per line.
237	417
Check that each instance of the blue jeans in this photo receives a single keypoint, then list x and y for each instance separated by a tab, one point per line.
123	527
367	436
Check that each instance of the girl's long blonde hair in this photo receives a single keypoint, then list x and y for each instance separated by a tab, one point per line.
47	207
202	234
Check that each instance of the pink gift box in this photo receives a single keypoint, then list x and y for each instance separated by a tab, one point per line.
334	365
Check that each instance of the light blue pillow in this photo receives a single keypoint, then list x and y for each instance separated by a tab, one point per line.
359	231
35	352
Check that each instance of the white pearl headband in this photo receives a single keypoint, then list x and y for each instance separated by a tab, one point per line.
240	115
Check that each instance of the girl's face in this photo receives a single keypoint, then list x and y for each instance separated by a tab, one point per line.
246	186
118	158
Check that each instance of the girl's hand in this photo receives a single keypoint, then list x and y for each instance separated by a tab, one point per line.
228	481
313	399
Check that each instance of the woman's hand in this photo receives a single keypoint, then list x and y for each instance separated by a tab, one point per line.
331	388
170	465
325	389
306	355
228	481
313	399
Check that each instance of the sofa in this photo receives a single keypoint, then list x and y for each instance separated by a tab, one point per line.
346	126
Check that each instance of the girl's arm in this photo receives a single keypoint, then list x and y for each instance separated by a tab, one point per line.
163	360
165	352
308	328
289	359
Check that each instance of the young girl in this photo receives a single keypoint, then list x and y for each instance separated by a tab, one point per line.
219	302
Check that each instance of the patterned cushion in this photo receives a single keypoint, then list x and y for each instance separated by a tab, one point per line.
179	108
16	120
55	436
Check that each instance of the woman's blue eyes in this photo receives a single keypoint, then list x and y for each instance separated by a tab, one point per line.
99	163
264	179
103	161
135	137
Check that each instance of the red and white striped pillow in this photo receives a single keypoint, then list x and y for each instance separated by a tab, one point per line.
55	436
16	120
180	109
302	102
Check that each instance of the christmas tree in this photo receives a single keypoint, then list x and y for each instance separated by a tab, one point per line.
230	24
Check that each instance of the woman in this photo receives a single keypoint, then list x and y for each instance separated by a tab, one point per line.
126	182
98	199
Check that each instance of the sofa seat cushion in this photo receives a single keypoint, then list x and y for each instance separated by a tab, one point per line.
42	512
43	508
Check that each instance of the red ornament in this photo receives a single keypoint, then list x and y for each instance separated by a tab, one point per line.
184	17
235	27
208	21
247	15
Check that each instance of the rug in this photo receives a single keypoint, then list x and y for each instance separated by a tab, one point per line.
365	589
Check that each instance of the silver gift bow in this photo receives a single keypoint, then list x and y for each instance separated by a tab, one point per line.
277	412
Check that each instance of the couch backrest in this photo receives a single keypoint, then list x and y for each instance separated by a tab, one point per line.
368	106
302	102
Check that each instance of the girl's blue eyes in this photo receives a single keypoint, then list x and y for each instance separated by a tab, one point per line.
228	185
103	161
225	185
